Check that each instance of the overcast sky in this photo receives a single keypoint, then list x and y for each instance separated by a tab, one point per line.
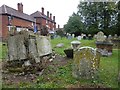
62	9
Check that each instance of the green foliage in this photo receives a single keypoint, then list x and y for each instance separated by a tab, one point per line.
3	50
99	15
44	31
60	32
74	25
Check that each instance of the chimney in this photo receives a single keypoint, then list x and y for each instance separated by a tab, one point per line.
53	18
58	26
42	11
20	7
48	14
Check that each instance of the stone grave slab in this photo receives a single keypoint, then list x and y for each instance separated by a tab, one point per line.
43	45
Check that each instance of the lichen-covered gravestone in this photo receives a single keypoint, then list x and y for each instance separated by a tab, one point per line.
86	63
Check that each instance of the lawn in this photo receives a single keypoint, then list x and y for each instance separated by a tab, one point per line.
61	76
3	50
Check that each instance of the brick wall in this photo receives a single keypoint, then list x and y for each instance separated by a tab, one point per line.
15	22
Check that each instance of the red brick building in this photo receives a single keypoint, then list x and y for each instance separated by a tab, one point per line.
10	17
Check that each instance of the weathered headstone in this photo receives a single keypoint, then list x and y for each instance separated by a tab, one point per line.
109	39
104	46
75	44
100	37
32	49
73	35
86	63
43	45
79	38
89	36
69	36
16	48
25	50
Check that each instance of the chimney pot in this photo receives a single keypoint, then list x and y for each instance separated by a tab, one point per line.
58	26
51	16
42	11
20	7
48	14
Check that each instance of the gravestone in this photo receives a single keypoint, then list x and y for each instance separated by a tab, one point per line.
100	37
79	38
32	49
60	45
75	44
103	45
16	48
86	63
89	37
109	39
73	35
25	50
43	45
69	36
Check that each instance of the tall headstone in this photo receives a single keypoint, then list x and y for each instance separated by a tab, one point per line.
86	63
16	48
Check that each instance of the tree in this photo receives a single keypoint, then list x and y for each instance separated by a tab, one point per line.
60	32
98	16
74	25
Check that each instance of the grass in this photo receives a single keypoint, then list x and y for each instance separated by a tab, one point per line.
3	50
67	44
62	76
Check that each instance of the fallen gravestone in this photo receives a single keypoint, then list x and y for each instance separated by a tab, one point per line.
60	45
86	63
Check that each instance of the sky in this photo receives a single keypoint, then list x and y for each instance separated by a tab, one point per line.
61	9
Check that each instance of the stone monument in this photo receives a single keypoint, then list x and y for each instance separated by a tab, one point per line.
103	45
86	63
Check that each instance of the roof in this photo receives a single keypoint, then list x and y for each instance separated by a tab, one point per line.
4	9
39	15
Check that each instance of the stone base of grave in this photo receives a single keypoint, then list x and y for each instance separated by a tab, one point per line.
69	52
105	48
116	43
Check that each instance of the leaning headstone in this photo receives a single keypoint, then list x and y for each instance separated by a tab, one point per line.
86	63
33	53
16	48
43	45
